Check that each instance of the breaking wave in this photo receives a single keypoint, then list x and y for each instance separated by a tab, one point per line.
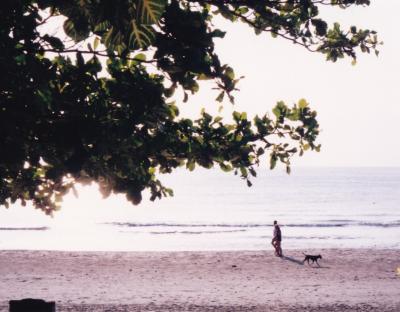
166	225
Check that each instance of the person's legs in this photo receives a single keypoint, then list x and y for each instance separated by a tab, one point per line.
276	245
278	248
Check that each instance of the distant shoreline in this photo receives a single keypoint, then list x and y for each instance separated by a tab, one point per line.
347	280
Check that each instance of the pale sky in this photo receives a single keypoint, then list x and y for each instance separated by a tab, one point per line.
358	106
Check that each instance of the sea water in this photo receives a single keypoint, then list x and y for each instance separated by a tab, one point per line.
211	210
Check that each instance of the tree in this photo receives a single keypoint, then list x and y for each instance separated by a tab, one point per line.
103	111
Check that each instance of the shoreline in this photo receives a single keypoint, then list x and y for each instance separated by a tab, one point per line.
346	280
265	250
268	249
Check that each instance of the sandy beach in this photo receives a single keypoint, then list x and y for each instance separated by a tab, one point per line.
347	280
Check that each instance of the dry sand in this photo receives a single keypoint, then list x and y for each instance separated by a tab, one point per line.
348	280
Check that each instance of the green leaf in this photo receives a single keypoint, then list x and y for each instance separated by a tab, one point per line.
185	97
276	111
190	164
280	109
217	119
77	34
218	33
194	87
236	115
230	73
141	36
302	103
320	26
140	57
96	43
225	167
150	11
203	77
45	96
55	42
169	191
272	161
239	137
108	38
20	59
80	61
242	10
94	65
168	92
101	27
220	97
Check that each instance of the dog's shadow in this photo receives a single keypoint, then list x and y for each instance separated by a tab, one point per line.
319	267
299	262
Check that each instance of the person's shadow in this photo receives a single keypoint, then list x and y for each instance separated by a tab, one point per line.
292	260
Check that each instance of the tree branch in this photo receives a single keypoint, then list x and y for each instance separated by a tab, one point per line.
98	53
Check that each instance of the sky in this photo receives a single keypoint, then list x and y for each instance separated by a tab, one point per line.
358	106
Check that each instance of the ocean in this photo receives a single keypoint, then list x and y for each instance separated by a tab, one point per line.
211	210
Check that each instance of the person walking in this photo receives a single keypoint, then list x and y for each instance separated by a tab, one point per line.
277	239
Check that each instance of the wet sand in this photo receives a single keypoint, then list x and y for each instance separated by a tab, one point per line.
346	280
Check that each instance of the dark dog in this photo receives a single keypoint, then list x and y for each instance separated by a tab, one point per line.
312	258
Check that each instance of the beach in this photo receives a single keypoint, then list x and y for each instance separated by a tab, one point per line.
346	280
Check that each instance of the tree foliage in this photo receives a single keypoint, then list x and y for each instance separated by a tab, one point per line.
104	111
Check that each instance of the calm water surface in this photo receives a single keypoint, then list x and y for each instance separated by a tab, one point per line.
211	210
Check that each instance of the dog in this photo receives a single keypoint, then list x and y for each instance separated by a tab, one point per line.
313	258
